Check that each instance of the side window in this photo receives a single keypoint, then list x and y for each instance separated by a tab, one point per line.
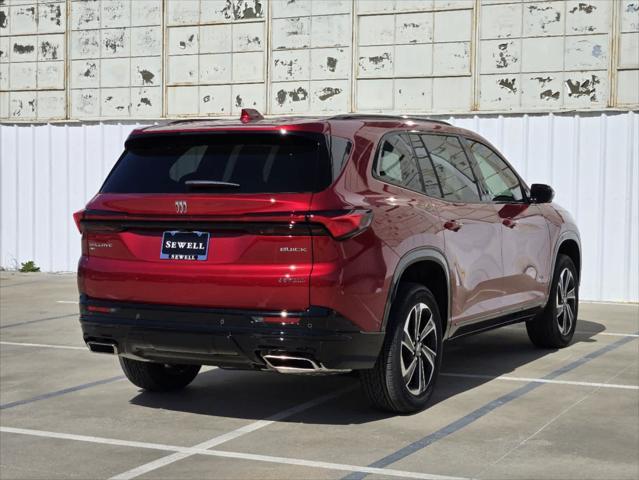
396	163
451	166
501	182
340	150
431	183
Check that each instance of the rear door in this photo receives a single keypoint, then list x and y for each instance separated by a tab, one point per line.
472	229
211	220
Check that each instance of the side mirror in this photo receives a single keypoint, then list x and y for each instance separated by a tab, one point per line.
541	193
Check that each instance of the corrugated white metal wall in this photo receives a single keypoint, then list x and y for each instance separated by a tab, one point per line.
592	160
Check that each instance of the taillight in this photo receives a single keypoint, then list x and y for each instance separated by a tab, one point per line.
343	224
100	227
77	217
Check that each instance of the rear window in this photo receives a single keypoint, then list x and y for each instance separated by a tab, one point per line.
222	162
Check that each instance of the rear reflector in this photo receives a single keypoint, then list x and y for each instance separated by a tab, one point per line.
96	309
282	320
343	224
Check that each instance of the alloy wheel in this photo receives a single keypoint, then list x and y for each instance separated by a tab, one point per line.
566	305
418	349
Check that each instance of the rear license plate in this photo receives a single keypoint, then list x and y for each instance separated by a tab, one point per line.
185	245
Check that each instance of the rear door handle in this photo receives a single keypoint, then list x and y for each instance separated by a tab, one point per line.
453	225
508	222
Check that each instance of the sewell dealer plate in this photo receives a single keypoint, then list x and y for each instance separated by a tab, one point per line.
178	245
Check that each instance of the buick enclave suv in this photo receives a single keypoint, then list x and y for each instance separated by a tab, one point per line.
318	245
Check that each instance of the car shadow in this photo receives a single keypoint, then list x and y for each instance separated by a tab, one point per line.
252	395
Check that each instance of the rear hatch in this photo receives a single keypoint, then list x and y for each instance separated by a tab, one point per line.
213	219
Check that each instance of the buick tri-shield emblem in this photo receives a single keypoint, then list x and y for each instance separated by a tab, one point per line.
181	206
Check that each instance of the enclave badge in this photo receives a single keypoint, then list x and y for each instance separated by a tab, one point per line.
181	206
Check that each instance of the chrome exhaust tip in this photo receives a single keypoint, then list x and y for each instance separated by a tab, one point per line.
110	348
297	365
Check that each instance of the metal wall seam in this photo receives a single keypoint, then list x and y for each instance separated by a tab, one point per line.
613	61
601	238
354	52
269	58
632	221
474	54
165	56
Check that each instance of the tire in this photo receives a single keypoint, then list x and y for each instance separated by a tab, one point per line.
158	377
385	385
555	326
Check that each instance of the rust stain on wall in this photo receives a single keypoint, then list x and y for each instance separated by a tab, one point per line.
22	108
289	65
297	95
88	16
23	49
242	9
546	15
120	107
508	84
583	7
91	70
549	95
86	102
377	59
504	57
328	92
586	87
51	12
543	80
189	41
115	42
48	50
147	77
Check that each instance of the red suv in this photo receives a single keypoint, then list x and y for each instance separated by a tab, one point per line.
318	245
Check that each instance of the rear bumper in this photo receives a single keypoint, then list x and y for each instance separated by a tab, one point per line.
227	338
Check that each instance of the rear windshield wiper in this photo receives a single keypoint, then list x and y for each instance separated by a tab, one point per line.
210	184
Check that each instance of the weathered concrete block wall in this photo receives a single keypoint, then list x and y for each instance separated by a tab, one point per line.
148	59
33	46
115	52
216	54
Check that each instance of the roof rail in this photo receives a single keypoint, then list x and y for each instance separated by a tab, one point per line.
375	116
188	120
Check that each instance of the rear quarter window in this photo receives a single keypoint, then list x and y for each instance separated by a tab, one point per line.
396	163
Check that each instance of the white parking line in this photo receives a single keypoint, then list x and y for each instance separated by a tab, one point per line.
187	451
44	345
213	442
612	334
518	326
541	380
72	302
